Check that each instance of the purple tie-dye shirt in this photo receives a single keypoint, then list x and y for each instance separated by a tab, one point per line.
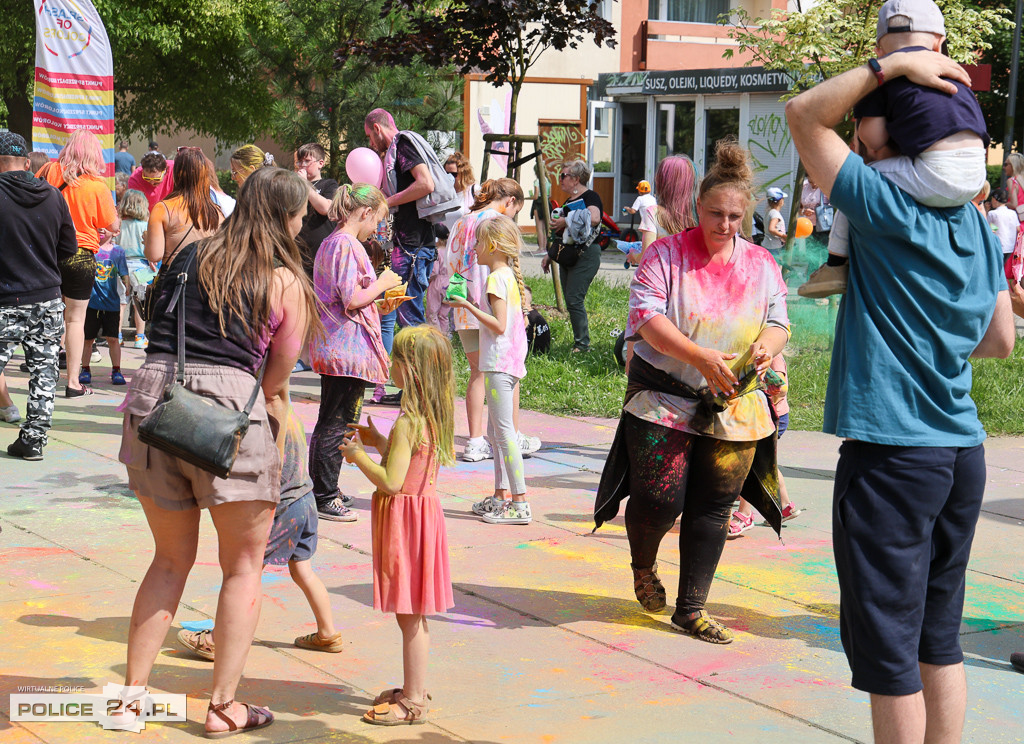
351	345
723	307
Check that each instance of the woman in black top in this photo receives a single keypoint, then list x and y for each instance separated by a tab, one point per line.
247	304
576	279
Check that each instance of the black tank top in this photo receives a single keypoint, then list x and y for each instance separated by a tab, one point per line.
203	339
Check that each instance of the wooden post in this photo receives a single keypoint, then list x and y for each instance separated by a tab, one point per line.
516	141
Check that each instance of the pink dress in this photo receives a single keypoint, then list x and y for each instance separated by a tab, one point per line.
410	545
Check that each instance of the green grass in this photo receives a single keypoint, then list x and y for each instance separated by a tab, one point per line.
569	384
593	384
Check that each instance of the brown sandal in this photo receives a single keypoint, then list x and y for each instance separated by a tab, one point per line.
704	627
255	718
650	592
199	642
388	696
401	711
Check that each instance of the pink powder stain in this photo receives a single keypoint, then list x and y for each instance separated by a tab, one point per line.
41	585
20	554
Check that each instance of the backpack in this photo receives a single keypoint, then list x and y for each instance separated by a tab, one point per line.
434	206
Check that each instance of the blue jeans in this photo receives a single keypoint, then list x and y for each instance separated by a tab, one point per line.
387	329
413	265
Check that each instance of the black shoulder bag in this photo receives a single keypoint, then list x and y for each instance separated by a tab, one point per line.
147	306
190	426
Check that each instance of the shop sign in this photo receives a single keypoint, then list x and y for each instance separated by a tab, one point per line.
672	82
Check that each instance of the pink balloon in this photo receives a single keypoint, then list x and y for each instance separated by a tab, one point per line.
363	165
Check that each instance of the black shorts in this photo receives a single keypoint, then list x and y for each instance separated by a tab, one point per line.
106	323
903	520
77	275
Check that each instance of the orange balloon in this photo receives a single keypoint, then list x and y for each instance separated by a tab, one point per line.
803	227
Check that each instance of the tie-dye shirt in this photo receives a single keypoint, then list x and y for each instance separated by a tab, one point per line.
351	345
462	260
722	307
505	352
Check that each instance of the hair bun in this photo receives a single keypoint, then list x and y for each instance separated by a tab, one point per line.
268	159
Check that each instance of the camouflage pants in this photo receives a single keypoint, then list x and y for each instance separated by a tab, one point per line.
38	328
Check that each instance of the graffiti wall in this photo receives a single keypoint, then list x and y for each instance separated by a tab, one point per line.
560	141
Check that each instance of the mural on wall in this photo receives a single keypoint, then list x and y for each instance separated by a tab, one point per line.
769	142
560	142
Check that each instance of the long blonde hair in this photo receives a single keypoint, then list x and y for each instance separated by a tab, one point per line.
348	199
502	234
237	264
424	357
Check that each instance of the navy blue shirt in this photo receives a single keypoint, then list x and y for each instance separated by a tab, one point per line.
922	292
917	116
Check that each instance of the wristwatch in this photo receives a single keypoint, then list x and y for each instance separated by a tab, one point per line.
877	69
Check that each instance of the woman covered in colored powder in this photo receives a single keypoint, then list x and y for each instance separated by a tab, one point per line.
708	314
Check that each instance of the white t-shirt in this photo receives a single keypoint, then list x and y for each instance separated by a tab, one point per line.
505	352
772	242
1004	222
644	204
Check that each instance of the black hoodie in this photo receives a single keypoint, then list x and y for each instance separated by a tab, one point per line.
35	231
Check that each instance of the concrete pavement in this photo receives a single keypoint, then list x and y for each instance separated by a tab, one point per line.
546	643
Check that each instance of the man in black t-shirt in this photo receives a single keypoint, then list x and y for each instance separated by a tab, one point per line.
309	161
414	252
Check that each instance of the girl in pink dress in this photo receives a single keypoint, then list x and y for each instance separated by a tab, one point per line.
410	547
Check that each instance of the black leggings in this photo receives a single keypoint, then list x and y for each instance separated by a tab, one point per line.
673	473
341	401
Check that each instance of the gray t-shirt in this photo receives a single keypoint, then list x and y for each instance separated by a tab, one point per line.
772	242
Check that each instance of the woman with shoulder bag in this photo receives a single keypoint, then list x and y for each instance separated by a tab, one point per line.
576	279
246	303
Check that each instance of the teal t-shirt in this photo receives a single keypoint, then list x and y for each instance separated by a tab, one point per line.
922	292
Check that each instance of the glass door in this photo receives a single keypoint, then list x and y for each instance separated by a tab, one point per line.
602	150
721	119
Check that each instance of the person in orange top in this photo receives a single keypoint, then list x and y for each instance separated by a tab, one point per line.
188	214
77	174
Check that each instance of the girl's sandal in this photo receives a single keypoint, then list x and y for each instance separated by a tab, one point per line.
650	592
199	642
388	696
704	627
255	718
401	711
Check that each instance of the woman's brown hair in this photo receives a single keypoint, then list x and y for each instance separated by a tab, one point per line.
497	188
192	186
236	266
464	176
731	169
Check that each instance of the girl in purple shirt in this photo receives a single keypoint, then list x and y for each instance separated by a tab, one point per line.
350	353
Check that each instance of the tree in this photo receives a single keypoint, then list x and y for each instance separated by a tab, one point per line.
316	101
834	36
993	102
177	64
503	38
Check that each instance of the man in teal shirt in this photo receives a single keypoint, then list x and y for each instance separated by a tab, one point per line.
926	292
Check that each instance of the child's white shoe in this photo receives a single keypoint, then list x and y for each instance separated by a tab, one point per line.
513	512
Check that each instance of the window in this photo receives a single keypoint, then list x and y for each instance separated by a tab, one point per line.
675	132
689	11
604	9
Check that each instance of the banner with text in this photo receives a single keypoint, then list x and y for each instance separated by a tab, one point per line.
74	78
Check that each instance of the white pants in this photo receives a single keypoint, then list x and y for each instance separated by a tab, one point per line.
936	178
509	473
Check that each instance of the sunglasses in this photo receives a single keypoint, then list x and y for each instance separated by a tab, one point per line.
563	176
153	179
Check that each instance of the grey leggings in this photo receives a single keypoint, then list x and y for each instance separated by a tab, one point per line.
508	461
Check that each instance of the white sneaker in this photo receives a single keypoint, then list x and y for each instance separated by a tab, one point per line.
141	342
10	414
527	445
513	512
476	450
487	506
95	357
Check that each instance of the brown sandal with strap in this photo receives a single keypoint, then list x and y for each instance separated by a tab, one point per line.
650	592
255	718
388	696
399	711
704	627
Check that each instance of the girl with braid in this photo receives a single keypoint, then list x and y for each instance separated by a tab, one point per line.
503	351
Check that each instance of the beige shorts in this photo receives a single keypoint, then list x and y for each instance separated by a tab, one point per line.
174	484
470	338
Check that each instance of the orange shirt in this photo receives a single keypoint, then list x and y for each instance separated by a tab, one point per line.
90	202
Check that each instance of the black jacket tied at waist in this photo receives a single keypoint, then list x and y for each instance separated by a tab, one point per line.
761	488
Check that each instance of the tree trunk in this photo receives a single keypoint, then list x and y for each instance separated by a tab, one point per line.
334	144
19	116
514	148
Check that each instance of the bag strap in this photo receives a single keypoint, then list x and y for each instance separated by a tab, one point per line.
178	300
